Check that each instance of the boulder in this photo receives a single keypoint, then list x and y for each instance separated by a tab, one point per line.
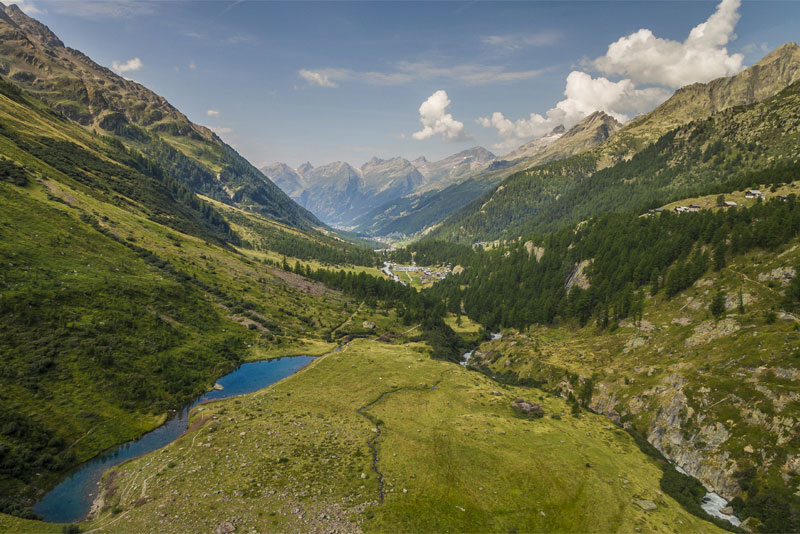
225	528
527	408
646	505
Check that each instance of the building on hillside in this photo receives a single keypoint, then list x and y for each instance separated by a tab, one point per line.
753	193
729	204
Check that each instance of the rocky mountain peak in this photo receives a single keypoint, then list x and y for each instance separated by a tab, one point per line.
599	123
32	27
305	168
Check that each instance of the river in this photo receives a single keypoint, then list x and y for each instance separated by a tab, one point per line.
72	499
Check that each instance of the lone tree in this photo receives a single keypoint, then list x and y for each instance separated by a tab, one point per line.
717	307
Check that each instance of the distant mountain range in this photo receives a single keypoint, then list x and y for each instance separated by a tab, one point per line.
411	214
402	197
339	193
95	97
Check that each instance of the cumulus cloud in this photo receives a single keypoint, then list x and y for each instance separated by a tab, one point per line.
320	78
27	7
212	113
645	58
130	65
640	58
435	120
584	95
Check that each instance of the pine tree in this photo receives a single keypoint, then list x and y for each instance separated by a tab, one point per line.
717	307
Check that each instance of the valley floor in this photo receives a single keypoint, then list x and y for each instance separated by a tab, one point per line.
379	437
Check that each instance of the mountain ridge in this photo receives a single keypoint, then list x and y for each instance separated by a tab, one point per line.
95	97
518	203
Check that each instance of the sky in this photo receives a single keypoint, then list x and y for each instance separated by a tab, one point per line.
346	81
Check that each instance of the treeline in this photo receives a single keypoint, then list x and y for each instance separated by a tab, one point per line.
433	252
620	255
412	306
306	249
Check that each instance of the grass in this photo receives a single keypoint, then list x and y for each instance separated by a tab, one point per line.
296	457
97	343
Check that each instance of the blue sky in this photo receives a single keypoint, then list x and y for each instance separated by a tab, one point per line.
333	81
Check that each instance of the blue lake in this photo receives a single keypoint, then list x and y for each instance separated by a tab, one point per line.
71	500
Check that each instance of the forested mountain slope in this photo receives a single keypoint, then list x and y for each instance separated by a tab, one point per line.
704	153
97	98
684	327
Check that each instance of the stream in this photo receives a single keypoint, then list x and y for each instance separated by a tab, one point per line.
468	355
71	500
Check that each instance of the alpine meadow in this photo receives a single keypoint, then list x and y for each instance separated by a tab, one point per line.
543	274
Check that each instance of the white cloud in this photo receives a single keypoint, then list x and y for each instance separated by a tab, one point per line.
584	95
321	78
212	113
514	42
27	7
130	65
645	58
641	58
409	71
468	73
192	65
435	120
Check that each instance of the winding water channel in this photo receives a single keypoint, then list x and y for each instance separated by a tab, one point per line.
71	500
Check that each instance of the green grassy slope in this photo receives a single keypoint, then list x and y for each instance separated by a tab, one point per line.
451	455
121	295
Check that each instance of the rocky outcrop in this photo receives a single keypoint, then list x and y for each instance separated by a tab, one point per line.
783	275
711	330
578	276
527	408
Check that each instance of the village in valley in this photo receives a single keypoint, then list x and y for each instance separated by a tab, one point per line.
415	275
